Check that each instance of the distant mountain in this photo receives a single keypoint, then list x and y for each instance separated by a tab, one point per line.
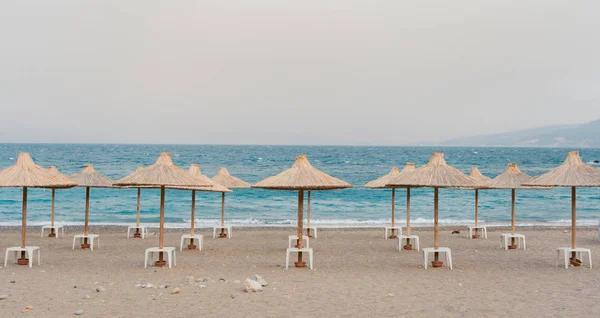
575	136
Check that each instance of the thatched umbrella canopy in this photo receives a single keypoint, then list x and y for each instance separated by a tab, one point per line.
300	177
195	172
26	174
89	178
435	174
383	181
225	179
572	173
161	174
512	179
52	169
481	181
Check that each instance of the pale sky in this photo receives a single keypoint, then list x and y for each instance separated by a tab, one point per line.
388	72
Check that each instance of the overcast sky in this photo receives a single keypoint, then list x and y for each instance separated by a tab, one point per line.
387	72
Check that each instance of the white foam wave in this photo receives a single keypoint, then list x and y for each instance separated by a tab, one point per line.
327	223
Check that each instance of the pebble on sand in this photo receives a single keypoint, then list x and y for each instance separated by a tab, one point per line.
260	280
2	297
28	308
86	297
175	291
100	289
251	285
78	312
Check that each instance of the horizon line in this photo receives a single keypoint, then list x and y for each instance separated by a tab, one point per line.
286	145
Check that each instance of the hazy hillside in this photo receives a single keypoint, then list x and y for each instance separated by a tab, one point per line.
580	136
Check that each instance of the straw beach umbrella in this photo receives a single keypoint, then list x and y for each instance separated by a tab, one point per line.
52	169
481	181
572	173
161	174
435	174
225	179
26	174
300	177
195	172
137	233
512	179
383	181
89	178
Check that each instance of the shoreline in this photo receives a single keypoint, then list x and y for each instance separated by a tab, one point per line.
117	228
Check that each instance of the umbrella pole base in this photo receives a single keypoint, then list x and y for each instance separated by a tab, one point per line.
85	245
191	247
222	235
300	264
407	247
160	263
52	235
437	263
137	235
575	262
476	236
512	247
393	236
23	261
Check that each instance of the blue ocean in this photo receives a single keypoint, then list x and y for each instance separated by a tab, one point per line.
354	207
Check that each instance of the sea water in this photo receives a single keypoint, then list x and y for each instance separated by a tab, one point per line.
255	207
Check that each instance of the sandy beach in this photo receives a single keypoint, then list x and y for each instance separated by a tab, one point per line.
357	273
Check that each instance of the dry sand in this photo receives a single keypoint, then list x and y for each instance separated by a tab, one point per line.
357	273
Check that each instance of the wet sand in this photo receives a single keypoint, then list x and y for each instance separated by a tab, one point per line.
357	273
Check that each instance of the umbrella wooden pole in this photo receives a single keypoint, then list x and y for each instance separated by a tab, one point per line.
23	260
308	215
24	221
52	217
300	263
191	246
161	239
408	211
52	234
139	206
476	208
87	217
223	234
193	213
512	218
573	222
393	212
435	223
137	233
222	210
476	213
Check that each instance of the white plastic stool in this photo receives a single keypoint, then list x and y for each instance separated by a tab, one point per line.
170	251
567	252
198	237
299	250
294	238
391	228
402	238
135	228
227	228
55	228
312	229
506	237
27	249
444	250
482	228
90	238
